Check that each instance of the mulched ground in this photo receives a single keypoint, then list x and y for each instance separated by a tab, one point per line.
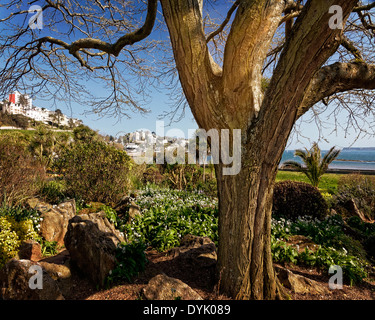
201	280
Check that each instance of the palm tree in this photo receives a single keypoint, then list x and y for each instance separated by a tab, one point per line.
314	165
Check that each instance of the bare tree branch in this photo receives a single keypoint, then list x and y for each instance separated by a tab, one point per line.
225	22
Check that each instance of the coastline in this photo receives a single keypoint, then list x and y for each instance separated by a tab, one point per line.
340	171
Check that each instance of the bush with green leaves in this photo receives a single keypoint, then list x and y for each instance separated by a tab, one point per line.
366	232
16	225
95	171
53	191
130	260
357	188
9	241
20	173
292	199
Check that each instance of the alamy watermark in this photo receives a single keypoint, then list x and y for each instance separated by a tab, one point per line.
36	280
36	20
225	148
336	20
335	281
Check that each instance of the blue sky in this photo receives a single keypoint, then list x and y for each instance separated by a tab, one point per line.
160	103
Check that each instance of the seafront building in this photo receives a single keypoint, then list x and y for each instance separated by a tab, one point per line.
23	104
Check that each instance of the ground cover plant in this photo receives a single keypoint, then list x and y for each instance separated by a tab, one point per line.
334	246
168	215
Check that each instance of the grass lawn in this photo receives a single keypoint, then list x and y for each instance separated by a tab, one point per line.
328	183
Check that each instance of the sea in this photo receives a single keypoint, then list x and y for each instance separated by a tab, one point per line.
348	159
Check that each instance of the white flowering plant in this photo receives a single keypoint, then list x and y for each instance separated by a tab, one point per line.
331	249
168	215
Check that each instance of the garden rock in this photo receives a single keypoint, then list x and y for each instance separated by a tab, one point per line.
127	207
122	207
353	210
55	219
14	282
92	241
30	250
162	287
200	251
37	204
300	284
134	210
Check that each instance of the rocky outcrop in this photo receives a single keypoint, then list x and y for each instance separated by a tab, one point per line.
127	208
92	241
300	284
195	250
30	250
353	210
15	279
162	287
55	218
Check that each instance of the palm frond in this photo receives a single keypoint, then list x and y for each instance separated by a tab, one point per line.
293	164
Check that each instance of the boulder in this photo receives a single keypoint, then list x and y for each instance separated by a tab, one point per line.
122	207
300	284
162	287
37	204
195	250
30	250
14	282
134	210
55	218
92	241
353	210
56	271
126	207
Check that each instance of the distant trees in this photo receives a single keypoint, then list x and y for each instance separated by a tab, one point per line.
314	166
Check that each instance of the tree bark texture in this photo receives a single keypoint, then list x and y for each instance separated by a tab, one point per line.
230	97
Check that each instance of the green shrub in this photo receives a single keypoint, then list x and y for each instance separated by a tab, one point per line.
12	234
295	199
9	241
130	260
95	171
19	213
360	189
281	252
111	214
20	174
366	232
53	191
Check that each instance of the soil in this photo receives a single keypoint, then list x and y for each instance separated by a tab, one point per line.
202	280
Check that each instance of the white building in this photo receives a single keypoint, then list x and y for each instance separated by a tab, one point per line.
22	104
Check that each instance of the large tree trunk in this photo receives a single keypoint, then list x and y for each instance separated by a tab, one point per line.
245	270
230	98
245	267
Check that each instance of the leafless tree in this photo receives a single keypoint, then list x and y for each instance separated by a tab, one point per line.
259	69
